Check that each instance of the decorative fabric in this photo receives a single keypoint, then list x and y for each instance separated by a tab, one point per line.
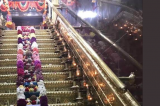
24	5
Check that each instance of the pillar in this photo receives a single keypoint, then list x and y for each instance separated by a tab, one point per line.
56	4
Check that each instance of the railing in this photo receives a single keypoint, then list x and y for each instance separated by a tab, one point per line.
113	92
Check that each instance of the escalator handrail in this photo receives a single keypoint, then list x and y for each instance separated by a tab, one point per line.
104	67
124	53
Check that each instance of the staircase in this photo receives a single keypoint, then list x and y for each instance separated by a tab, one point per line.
55	78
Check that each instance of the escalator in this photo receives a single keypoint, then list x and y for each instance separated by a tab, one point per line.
74	75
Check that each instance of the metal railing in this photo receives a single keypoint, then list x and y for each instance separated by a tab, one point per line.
115	86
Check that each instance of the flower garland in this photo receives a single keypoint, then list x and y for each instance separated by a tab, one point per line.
25	7
30	85
9	23
3	8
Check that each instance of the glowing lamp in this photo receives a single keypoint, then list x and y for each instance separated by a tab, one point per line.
95	73
87	14
84	84
63	43
89	97
60	39
121	27
125	25
69	55
77	72
102	85
73	62
65	49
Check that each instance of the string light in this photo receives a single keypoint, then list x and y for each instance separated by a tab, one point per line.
130	34
136	39
116	25
121	27
140	35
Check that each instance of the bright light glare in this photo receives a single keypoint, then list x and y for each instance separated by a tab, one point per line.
29	14
87	14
